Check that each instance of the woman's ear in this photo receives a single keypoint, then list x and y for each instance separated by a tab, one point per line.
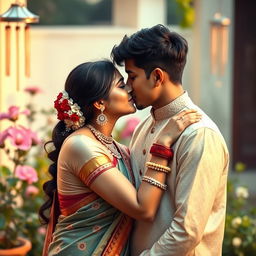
158	76
98	104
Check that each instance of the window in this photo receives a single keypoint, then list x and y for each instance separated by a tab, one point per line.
174	13
72	12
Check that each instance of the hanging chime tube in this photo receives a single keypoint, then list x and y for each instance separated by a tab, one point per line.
8	50
27	50
17	58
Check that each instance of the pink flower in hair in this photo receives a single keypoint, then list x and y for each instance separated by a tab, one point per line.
26	173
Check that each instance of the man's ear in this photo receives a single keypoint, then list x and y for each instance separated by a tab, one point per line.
158	76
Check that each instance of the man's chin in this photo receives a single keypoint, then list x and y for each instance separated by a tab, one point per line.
139	107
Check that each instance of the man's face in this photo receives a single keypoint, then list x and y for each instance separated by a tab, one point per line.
142	88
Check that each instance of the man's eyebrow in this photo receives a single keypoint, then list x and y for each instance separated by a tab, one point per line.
128	71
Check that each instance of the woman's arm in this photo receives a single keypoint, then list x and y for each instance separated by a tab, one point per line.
117	190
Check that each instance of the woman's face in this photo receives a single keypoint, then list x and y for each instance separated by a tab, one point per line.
119	102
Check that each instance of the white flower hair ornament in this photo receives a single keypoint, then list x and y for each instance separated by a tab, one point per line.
69	112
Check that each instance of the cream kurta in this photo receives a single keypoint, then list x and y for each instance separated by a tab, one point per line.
191	216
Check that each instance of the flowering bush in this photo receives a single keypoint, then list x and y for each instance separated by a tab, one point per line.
42	120
124	134
22	177
240	229
17	179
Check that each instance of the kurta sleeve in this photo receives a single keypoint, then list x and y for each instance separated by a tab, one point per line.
200	182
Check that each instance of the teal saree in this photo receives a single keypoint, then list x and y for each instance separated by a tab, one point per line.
92	226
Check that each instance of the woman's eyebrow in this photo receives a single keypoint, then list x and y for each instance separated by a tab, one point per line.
120	80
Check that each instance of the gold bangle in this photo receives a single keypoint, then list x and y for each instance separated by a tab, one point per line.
158	167
154	182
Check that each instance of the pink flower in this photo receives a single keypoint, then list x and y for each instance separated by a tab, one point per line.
13	113
34	137
42	230
130	125
33	90
26	173
3	136
31	190
20	137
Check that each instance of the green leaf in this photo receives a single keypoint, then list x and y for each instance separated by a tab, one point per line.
12	181
2	222
2	187
4	171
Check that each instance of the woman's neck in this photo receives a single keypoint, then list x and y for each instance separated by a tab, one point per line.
106	129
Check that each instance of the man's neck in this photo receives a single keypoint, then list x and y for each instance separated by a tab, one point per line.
168	95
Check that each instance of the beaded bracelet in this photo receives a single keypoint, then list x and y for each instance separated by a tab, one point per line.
158	167
154	182
161	151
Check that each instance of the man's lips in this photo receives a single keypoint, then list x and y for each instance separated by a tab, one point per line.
132	98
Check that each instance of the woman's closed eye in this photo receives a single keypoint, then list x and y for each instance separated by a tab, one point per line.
121	86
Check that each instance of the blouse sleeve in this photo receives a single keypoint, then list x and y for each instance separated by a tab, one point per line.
89	158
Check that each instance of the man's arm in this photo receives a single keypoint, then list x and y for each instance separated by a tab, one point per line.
202	159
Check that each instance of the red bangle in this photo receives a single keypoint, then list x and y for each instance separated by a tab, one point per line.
161	151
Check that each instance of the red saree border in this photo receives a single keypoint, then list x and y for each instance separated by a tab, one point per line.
54	214
98	172
73	208
119	237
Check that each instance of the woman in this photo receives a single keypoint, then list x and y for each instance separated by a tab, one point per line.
96	197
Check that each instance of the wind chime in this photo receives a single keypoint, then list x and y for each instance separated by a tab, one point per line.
18	13
219	44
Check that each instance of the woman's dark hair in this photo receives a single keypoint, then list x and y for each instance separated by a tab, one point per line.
155	47
87	83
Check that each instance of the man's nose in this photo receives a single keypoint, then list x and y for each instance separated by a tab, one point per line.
128	87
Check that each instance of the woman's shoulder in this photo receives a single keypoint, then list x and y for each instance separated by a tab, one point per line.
82	144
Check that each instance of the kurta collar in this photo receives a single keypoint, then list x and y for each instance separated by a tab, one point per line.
172	108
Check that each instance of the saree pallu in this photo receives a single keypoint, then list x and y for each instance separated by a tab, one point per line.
93	227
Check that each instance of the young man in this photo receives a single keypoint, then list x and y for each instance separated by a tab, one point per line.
190	220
